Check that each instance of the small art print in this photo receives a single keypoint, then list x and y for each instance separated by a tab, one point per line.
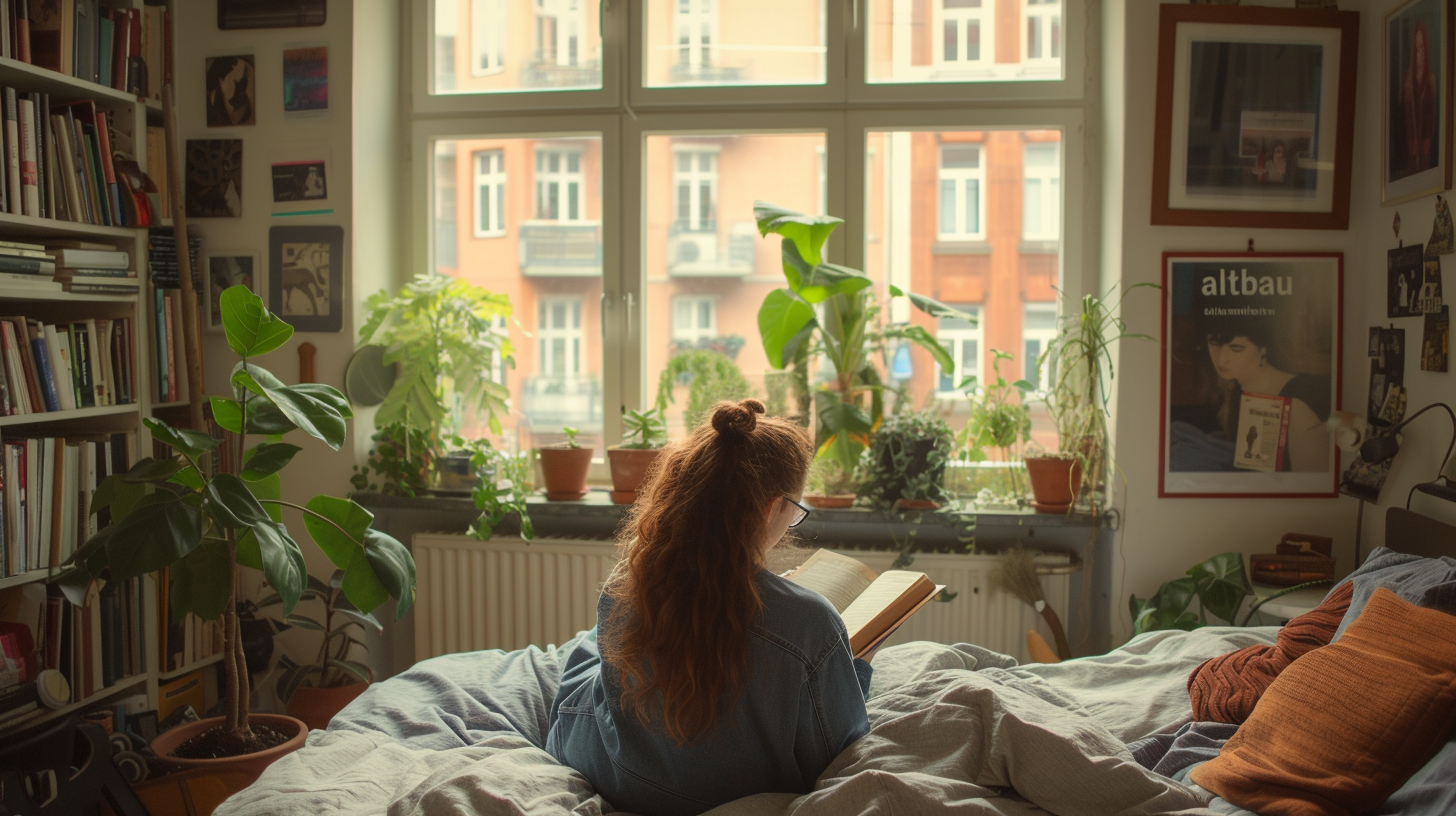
1404	271
1436	340
300	181
1251	367
1387	370
226	270
306	277
306	81
1430	297
231	91
214	178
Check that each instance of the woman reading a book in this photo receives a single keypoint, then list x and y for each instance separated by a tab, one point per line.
708	677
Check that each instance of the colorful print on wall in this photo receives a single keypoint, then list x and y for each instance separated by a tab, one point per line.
305	81
214	178
231	91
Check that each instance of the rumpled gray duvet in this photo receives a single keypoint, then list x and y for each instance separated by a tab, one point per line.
953	728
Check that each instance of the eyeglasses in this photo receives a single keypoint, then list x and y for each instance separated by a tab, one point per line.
802	514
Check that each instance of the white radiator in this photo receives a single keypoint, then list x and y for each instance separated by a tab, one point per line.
507	594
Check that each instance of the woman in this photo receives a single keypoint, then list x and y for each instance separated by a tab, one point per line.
1418	103
715	679
1240	356
229	92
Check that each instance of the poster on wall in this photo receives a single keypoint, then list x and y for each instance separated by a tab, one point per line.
226	268
306	277
305	81
1416	101
1250	376
232	95
1436	340
214	178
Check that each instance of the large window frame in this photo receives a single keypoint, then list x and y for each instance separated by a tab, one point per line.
845	108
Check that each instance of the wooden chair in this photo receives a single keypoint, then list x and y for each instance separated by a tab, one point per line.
37	776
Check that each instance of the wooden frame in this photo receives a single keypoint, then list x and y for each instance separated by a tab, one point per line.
306	269
1416	139
1285	160
221	269
1237	324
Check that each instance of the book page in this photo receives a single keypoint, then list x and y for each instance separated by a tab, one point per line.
882	604
837	577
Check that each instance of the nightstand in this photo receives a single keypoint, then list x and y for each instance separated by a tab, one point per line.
1281	609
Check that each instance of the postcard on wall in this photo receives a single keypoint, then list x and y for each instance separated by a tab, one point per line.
225	269
214	178
1251	367
301	187
1387	369
1430	297
1404	271
306	276
305	81
232	95
1436	340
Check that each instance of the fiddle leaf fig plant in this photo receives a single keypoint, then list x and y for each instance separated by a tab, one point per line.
204	524
1220	585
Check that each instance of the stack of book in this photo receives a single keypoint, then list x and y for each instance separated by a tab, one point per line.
46	484
27	266
167	308
100	644
85	266
62	367
124	48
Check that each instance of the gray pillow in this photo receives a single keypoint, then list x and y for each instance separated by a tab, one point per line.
1429	582
1431	791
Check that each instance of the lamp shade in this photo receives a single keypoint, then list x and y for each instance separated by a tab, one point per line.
1378	449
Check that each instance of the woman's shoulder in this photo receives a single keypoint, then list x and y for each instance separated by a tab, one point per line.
796	617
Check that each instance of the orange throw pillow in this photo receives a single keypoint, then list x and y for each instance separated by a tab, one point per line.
1344	726
1225	688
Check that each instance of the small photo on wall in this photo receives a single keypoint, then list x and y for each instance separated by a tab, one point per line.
305	81
1430	297
306	277
214	178
232	95
1404	270
300	181
227	269
1436	341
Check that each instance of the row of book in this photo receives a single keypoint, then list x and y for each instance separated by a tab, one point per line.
46	484
128	49
186	641
62	367
102	643
164	273
67	265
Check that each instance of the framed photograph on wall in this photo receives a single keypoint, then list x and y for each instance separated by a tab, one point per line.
306	277
225	268
1250	374
1416	99
1255	117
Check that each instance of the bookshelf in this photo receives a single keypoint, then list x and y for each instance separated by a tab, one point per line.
127	118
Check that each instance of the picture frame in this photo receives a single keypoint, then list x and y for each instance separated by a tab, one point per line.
1251	363
306	276
1417	55
1255	117
222	269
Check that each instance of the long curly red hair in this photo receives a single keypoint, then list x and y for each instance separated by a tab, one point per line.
684	592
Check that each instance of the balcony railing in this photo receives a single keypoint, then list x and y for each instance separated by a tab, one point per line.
707	74
551	403
570	249
544	73
703	254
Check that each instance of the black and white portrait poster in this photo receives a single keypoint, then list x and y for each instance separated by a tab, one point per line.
1404	272
1249	339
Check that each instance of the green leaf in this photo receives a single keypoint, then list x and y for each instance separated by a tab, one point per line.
935	308
152	470
366	620
228	501
158	532
308	406
248	552
1175	595
781	317
358	671
361	586
328	395
826	280
200	581
292	678
394	567
192	443
187	477
1222	584
283	564
841	426
304	623
920	337
808	232
265	419
250	328
268	458
73	584
227	413
118	494
345	536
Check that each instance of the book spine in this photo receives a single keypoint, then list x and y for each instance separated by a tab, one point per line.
24	331
41	127
12	149
27	266
108	168
29	175
81	359
159	339
99	196
7	406
106	33
22	30
170	306
60	363
1283	434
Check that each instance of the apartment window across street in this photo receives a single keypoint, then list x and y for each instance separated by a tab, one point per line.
695	181
558	31
963	340
1043	31
490	193
558	332
695	23
965	32
961	192
1041	192
694	319
487	36
558	185
1038	327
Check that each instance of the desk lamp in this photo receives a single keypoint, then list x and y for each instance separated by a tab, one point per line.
1380	448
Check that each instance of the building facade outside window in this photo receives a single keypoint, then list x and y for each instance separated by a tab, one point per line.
559	336
1038	327
964	342
1041	172
966	32
1043	31
487	36
695	24
490	194
558	31
694	320
962	198
695	187
558	185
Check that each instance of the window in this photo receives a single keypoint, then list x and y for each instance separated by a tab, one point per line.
961	192
558	337
965	33
694	320
1043	31
487	36
490	194
695	186
1038	327
710	43
558	32
694	26
963	340
949	41
1041	192
446	220
558	185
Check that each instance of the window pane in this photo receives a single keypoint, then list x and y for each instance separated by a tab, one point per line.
734	42
706	277
962	41
546	256
516	45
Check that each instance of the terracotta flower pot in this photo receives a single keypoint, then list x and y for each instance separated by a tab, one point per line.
316	706
629	469
564	472
833	501
1054	482
167	741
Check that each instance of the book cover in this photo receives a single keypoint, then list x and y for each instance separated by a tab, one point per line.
108	168
12	150
7	345
121	49
29	172
1263	432
24	332
59	359
81	347
105	37
80	168
872	605
52	29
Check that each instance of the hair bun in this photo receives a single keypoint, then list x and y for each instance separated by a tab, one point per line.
736	417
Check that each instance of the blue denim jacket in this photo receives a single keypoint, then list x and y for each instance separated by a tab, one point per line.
802	704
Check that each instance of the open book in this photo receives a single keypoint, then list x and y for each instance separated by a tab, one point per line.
872	606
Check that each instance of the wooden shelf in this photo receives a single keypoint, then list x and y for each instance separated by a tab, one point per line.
110	691
206	661
23	293
173	404
15	73
24	578
29	225
61	416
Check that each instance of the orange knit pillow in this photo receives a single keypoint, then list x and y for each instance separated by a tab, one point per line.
1340	729
1225	688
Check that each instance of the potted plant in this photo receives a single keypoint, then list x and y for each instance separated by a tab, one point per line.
831	311
905	462
645	434
830	486
443	333
1077	366
315	692
402	457
205	524
711	376
1000	421
564	467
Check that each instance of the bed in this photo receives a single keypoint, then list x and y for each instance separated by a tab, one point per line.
952	727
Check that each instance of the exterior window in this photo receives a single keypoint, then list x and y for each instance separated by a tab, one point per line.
961	192
487	36
695	23
1043	31
1038	327
694	320
1041	192
963	341
446	215
490	194
559	337
558	32
558	185
695	189
964	33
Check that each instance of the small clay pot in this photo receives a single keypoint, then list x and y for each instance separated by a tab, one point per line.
629	470
834	501
1054	482
168	740
564	472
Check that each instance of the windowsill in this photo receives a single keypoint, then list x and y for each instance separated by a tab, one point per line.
1029	246
954	247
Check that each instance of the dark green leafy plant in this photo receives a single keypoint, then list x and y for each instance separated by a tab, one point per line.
644	430
402	459
711	377
205	525
1000	419
1219	584
906	459
332	667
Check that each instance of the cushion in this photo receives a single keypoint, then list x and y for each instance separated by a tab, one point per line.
1409	576
1340	729
1225	688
